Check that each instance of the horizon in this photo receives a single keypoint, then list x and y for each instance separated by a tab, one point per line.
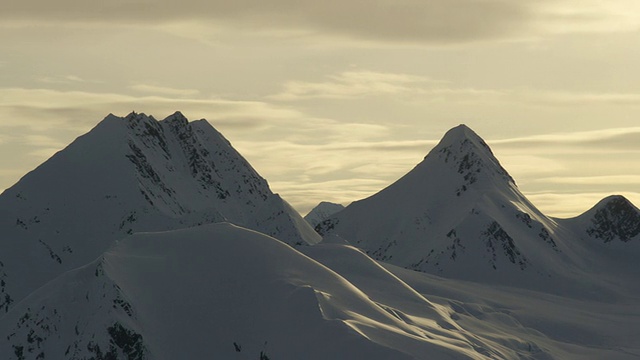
334	102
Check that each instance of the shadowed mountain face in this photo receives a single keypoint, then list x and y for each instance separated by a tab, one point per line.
321	212
129	175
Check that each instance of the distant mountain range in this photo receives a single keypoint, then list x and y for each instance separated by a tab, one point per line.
148	239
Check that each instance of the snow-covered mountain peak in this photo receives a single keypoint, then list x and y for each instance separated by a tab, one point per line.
469	155
131	174
458	213
458	134
613	218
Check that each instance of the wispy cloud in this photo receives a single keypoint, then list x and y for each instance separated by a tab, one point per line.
605	140
43	153
68	79
593	180
564	98
152	89
568	205
421	89
567	16
39	140
304	196
44	108
352	84
364	83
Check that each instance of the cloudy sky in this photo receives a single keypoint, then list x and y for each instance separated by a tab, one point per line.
334	100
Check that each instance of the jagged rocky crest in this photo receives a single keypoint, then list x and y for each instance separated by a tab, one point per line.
470	156
130	174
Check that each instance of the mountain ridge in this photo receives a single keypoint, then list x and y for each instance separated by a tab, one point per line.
459	214
130	174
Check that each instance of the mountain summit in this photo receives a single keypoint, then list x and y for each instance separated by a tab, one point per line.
470	156
457	213
131	174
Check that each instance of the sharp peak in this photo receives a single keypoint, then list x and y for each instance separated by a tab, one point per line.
463	137
461	133
137	116
176	117
468	153
462	129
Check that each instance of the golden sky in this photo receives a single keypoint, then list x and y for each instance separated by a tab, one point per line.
334	100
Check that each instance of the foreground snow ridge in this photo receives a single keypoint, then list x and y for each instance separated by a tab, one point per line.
148	239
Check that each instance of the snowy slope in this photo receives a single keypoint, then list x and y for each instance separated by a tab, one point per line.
546	325
127	175
608	237
322	212
220	291
525	324
459	213
226	292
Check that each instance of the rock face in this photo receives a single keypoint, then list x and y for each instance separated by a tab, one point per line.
614	219
129	175
322	212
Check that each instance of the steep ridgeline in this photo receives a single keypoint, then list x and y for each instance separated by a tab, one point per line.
322	212
128	175
460	214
